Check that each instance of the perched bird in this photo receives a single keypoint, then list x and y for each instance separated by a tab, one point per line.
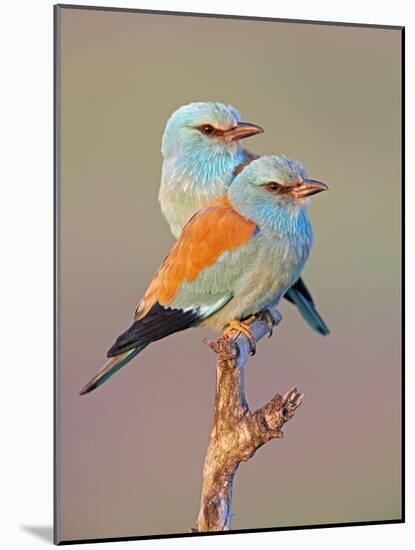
233	259
202	154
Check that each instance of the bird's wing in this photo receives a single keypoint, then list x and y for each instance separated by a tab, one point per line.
208	234
195	279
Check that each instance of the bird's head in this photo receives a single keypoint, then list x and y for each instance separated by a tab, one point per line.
206	129
273	185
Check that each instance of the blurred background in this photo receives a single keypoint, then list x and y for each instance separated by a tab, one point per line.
131	453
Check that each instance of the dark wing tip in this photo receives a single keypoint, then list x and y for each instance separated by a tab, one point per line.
300	287
158	323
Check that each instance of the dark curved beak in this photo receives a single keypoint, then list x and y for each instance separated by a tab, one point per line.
242	131
308	188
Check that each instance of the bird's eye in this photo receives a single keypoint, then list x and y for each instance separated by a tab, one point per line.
273	186
206	129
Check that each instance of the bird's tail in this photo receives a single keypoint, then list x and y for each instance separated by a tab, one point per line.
113	365
308	311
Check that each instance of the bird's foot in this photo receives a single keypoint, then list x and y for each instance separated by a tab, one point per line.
269	319
242	328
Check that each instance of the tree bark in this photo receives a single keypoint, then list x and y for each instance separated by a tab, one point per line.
237	432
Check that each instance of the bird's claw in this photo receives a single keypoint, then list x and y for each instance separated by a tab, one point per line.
242	329
269	319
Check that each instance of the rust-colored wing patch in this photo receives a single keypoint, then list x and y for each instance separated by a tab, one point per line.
207	235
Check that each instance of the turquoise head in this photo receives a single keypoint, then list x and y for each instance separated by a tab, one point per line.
204	137
274	191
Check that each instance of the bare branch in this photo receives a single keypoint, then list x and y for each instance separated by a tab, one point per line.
236	431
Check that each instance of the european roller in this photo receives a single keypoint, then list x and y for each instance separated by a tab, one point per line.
233	259
202	153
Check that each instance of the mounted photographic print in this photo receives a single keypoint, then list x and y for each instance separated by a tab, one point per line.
228	222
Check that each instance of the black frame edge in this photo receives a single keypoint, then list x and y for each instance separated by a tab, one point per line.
227	16
233	532
403	278
56	263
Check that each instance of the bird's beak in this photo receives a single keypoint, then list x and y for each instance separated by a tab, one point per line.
308	188
241	131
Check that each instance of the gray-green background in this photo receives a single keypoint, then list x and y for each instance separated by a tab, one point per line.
131	454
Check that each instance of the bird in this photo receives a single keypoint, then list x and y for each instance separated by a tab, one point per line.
202	153
233	259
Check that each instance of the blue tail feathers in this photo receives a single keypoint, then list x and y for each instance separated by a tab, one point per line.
308	311
113	365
